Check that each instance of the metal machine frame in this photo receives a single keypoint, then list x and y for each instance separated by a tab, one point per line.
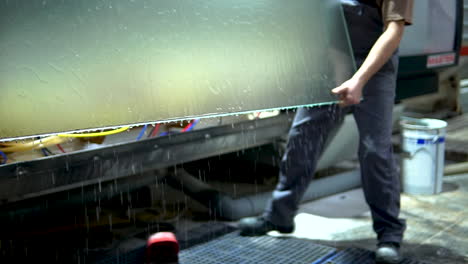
32	179
415	78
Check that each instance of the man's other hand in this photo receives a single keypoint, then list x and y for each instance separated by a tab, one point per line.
349	93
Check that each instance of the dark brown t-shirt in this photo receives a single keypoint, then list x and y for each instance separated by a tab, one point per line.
396	10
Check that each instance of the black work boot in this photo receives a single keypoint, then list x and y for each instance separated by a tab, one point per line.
388	253
258	226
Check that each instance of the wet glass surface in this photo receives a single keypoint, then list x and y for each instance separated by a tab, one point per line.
67	65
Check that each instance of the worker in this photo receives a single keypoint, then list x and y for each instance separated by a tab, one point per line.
375	28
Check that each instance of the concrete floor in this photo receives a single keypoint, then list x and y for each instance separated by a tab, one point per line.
437	224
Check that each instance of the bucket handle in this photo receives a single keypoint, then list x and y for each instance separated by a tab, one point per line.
413	120
410	155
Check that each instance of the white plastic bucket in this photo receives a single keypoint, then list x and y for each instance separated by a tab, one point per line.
423	145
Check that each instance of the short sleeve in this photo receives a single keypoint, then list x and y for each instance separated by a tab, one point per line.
396	10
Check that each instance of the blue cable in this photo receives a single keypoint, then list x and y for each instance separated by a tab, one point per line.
44	152
193	124
142	132
4	156
167	133
49	152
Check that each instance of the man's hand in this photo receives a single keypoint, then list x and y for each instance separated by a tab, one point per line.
350	92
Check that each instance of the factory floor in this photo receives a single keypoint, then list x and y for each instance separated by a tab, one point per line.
437	225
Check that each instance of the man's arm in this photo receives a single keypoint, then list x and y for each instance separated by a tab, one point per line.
350	92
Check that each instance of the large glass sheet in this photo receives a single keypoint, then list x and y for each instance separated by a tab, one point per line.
69	65
433	30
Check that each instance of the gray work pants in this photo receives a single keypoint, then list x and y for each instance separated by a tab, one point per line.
312	127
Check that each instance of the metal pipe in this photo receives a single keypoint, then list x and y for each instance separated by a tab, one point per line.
458	168
224	206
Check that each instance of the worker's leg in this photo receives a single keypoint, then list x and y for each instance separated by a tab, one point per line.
380	179
311	129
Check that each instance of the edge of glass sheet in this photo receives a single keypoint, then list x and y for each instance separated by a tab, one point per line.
167	121
348	39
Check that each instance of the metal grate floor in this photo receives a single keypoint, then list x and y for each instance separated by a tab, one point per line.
358	256
236	249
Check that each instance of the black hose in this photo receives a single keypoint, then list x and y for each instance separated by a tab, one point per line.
225	207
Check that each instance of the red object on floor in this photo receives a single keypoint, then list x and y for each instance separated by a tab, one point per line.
464	51
162	248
